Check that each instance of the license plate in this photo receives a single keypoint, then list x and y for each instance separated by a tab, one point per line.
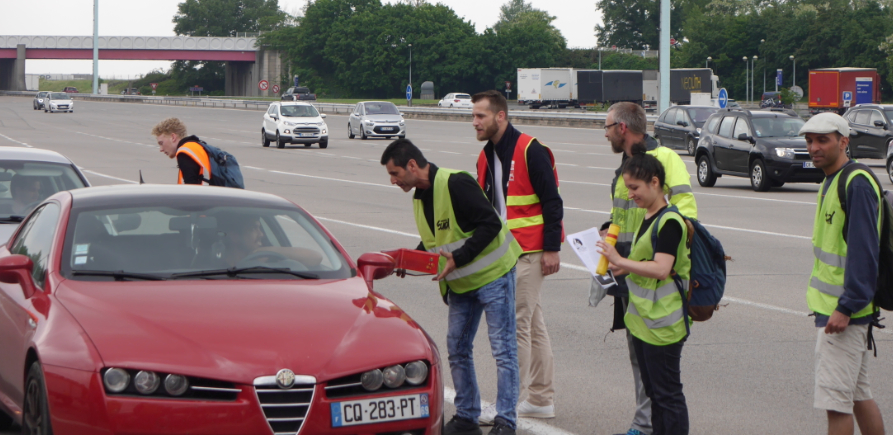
387	128
808	165
306	134
379	410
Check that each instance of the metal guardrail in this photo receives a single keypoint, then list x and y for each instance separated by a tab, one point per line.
575	119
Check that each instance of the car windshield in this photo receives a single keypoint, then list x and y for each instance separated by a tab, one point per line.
24	184
463	97
299	111
777	127
59	96
381	109
700	114
42	94
198	241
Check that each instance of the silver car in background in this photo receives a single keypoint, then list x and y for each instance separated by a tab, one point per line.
58	102
376	119
39	99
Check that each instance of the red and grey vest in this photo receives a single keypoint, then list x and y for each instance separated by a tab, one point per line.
524	212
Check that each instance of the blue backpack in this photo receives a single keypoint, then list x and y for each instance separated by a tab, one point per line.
224	167
708	270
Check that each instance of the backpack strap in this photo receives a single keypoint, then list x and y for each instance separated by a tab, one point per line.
841	190
676	278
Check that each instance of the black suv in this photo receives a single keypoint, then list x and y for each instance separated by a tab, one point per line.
764	146
679	127
298	94
871	131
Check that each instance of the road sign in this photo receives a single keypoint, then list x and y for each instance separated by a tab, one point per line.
263	85
779	76
723	98
409	92
196	89
672	41
847	96
297	81
154	86
508	86
275	89
798	91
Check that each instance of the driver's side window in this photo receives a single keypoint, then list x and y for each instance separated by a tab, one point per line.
741	127
36	239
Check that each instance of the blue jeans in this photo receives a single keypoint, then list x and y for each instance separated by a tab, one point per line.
497	299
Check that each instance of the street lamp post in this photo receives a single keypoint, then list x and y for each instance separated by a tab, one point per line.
794	77
746	81
753	61
707	62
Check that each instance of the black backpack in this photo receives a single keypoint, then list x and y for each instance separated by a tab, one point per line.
883	297
225	169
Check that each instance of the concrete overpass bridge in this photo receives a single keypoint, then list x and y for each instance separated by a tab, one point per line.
246	64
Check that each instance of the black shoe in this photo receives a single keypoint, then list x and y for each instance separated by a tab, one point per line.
460	426
500	427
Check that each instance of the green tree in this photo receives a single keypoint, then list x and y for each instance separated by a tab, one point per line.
635	23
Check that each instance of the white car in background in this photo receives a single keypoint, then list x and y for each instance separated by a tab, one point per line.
456	100
58	102
376	119
294	122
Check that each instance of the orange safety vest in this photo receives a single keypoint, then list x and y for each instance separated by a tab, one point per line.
197	153
524	212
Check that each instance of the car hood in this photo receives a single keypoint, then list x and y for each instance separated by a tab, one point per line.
237	330
384	118
302	121
782	142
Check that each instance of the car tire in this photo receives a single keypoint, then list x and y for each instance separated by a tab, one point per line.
706	177
759	177
279	142
890	169
35	411
324	145
401	137
363	137
691	146
264	140
35	106
350	134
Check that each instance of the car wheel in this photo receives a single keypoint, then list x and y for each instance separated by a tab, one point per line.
264	140
401	137
890	169
759	178
364	137
691	146
279	142
706	177
350	134
35	412
324	145
35	106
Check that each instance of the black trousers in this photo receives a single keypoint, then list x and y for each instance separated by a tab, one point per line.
659	366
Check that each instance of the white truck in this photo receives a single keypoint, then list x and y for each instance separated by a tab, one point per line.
552	87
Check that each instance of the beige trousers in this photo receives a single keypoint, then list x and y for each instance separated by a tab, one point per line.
535	359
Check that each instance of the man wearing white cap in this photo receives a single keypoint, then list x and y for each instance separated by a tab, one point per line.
846	244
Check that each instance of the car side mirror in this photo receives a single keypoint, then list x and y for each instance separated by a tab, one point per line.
401	113
682	123
880	124
16	269
322	115
375	265
275	118
746	138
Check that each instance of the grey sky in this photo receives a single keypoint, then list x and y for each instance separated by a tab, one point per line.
575	19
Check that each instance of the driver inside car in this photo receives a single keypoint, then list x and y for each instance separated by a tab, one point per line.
241	244
25	192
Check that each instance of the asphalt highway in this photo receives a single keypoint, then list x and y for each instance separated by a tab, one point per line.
748	370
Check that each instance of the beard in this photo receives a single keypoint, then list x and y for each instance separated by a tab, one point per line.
488	132
616	144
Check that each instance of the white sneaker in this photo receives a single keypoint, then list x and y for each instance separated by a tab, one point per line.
525	409
488	415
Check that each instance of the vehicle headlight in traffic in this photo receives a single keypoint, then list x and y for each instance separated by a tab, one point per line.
372	380
416	373
146	382
402	123
289	123
785	153
116	380
698	130
394	376
325	130
175	385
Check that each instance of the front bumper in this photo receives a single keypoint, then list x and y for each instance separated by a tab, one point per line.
792	171
384	130
79	405
291	138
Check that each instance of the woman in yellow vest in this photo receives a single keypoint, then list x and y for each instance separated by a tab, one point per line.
655	316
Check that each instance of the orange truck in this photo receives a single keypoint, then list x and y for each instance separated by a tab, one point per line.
837	89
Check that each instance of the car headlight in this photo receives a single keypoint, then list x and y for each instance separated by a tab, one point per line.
289	123
325	130
146	382
416	373
394	376
372	380
698	130
176	385
785	153
116	380
402	123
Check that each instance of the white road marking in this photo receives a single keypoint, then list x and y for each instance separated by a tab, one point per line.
527	424
699	193
109	176
320	178
15	141
117	140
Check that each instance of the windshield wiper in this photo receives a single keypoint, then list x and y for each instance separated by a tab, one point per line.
234	271
119	275
8	219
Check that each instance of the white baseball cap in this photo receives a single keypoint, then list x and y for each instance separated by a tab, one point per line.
826	122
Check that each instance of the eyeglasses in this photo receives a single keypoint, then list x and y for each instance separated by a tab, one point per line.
610	125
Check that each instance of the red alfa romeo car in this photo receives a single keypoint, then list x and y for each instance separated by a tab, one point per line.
202	310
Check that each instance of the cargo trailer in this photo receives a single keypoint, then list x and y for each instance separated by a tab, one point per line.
836	89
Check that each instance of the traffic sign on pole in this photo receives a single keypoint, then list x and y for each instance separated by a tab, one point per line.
275	89
154	86
409	92
263	85
723	98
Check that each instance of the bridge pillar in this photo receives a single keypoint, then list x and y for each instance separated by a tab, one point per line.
242	78
12	71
